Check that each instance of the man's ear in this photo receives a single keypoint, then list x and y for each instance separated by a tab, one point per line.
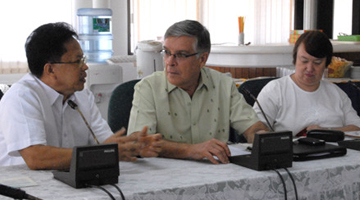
203	58
48	69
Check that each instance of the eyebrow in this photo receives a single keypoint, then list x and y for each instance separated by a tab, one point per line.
80	56
178	51
316	59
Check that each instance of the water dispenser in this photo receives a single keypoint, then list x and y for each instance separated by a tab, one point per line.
95	33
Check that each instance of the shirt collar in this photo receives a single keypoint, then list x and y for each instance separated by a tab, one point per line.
204	81
51	94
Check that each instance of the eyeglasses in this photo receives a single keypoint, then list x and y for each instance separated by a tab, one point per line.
80	62
178	56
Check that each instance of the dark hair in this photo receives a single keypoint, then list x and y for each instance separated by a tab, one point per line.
46	43
194	29
316	44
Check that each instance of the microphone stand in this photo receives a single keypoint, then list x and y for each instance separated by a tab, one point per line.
262	111
74	106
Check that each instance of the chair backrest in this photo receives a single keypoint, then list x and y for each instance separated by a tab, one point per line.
120	105
352	92
254	86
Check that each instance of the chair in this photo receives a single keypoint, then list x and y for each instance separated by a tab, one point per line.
352	92
254	86
120	105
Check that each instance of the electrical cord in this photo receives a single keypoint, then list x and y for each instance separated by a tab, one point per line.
293	181
121	193
283	182
103	189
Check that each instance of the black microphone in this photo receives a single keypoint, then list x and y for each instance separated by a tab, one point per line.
354	85
15	193
255	99
74	106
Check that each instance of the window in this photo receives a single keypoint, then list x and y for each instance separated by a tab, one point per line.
267	21
19	19
151	18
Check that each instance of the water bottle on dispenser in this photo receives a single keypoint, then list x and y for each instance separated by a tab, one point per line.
95	34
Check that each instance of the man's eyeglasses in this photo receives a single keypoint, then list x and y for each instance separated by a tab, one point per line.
80	62
178	56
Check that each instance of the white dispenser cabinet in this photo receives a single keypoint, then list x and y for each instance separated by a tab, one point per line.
102	79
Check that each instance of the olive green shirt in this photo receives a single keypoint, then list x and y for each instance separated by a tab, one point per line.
215	106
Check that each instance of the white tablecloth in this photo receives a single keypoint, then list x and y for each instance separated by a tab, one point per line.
160	178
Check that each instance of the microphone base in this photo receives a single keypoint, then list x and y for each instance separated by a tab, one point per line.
270	151
92	165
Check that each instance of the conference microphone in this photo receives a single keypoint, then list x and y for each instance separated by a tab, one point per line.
15	193
255	99
74	106
354	85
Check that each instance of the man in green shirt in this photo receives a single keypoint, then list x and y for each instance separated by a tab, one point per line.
192	106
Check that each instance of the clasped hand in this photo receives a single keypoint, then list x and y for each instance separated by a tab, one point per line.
136	144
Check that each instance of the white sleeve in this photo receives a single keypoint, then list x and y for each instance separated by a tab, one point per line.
21	120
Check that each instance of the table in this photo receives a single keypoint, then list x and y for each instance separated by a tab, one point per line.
161	178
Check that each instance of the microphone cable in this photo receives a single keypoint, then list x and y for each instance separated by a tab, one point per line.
283	182
121	193
103	189
15	193
74	106
293	181
262	111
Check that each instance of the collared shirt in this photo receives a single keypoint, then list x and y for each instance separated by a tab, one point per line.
215	106
32	113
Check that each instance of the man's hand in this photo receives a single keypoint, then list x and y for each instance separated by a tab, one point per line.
139	143
150	144
209	149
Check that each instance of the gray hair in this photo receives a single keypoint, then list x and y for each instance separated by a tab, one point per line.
193	29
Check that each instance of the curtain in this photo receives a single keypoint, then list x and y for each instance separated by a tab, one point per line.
266	21
151	18
19	19
272	21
